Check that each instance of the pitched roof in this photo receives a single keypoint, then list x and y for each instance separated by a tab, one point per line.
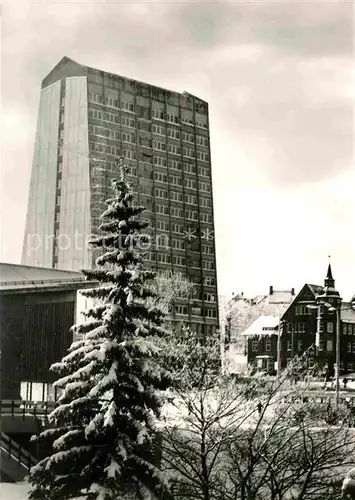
315	289
280	297
17	277
347	313
264	325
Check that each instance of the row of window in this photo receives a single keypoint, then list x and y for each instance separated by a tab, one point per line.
348	329
302	310
301	327
158	114
105	132
104	116
189	168
323	346
178	212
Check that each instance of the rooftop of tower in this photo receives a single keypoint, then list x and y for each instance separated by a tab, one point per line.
67	67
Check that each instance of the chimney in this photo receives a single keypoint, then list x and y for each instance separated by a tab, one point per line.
292	291
271	290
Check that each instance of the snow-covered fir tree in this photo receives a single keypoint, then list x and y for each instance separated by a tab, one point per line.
102	445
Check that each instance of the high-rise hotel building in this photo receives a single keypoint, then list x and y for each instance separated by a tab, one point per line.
87	118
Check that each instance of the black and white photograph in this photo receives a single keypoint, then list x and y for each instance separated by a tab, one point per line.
177	251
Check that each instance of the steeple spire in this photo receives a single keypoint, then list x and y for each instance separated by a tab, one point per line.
329	282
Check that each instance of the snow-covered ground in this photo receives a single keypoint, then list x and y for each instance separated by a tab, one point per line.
14	491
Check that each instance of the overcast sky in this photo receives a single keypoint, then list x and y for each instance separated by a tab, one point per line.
279	79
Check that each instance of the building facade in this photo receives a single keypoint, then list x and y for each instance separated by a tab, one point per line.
87	118
310	323
37	310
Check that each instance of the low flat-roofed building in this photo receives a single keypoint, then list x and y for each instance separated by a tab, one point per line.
37	309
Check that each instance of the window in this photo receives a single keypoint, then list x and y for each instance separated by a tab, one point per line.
203	171
191	199
157	129
176	212
300	345
179	309
330	327
321	345
208	265
353	345
189	183
158	114
159	145
158	176
179	261
300	327
209	297
173	133
176	196
289	327
172	118
348	346
191	214
289	345
211	313
204	186
302	310
162	225
177	228
207	218
201	141
175	165
202	156
254	346
128	122
162	209
158	160
130	155
161	193
350	366
128	138
208	250
188	152
189	168
187	137
178	244
209	281
164	258
174	149
128	106
175	181
329	345
206	202
268	345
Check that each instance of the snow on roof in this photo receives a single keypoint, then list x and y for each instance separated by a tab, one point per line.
264	325
16	276
347	314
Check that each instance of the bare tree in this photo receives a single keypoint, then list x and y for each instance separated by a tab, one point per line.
251	440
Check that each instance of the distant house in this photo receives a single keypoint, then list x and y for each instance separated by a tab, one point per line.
241	312
37	309
262	343
306	326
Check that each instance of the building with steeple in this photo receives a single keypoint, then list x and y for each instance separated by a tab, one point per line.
309	323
